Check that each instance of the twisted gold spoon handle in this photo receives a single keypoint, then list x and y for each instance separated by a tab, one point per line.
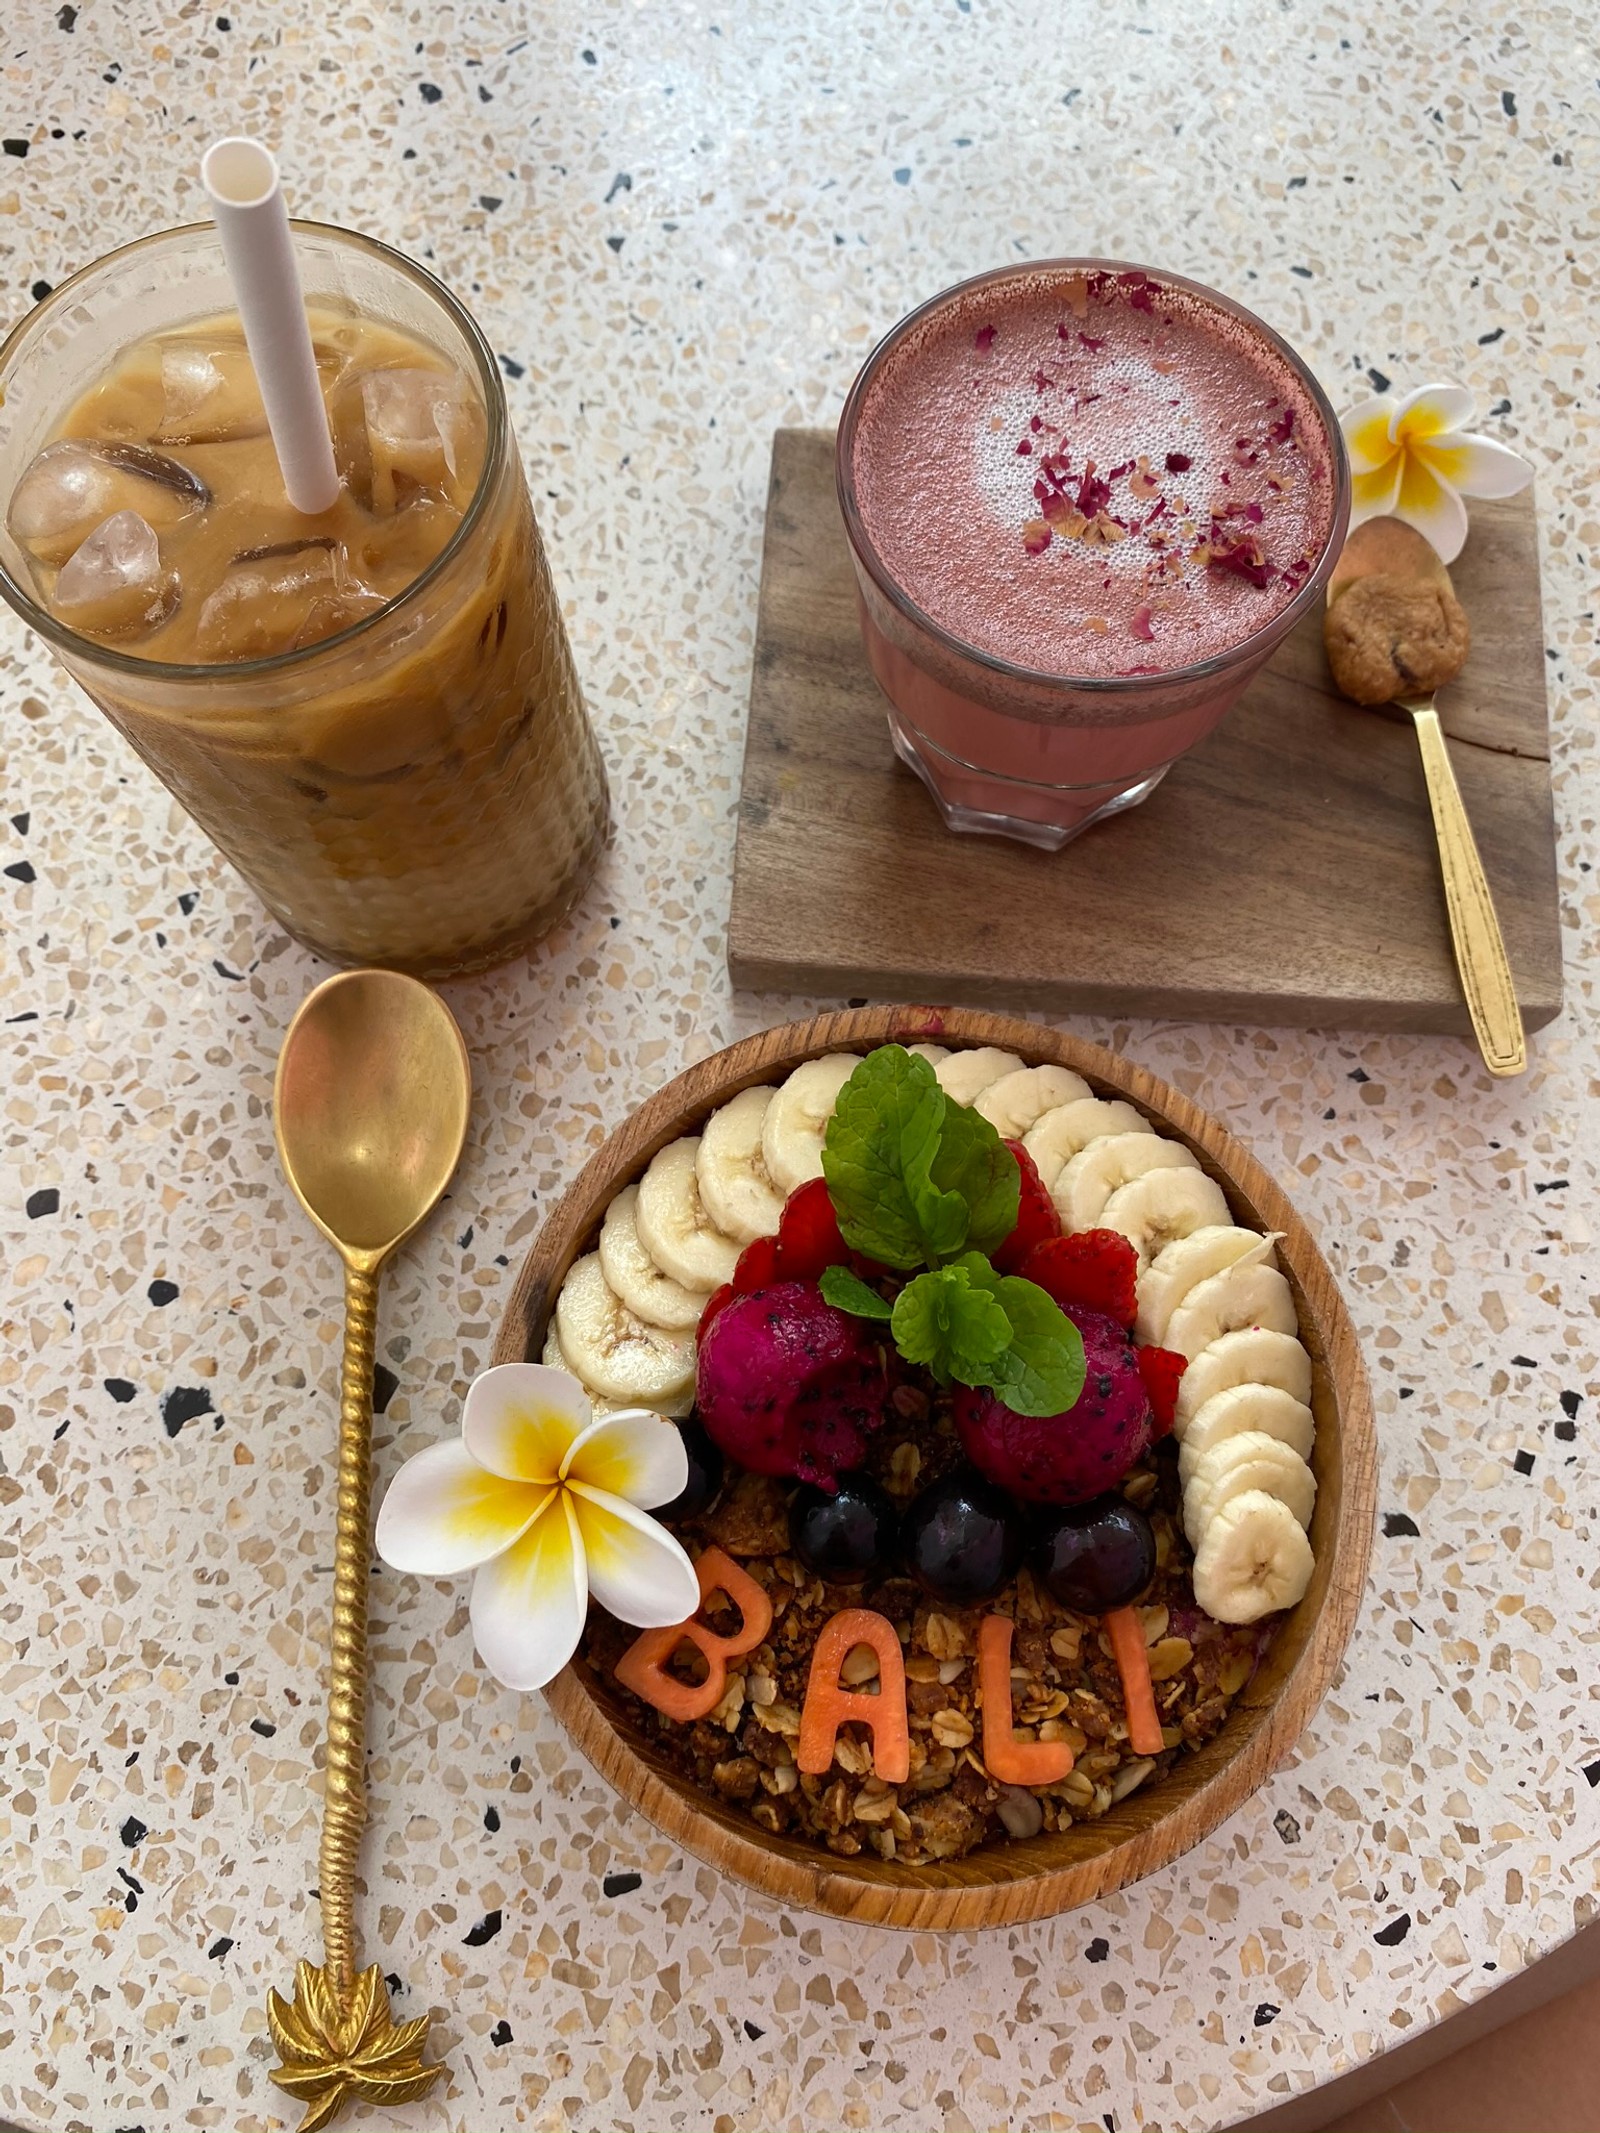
338	2039
344	1808
1474	928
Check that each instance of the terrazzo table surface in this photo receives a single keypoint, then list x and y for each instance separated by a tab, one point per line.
682	226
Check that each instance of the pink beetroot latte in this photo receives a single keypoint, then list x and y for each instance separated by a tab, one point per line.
1086	501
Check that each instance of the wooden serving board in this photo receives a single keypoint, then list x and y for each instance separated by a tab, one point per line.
1284	872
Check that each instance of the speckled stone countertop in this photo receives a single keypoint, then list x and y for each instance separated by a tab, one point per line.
681	227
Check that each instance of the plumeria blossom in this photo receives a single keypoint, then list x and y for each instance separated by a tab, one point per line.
547	1504
1413	458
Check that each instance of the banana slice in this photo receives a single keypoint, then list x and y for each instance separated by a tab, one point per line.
634	1276
1095	1173
797	1118
964	1076
673	1224
1252	1460
1252	1560
1019	1100
1059	1135
615	1353
1247	1408
1252	1356
739	1196
555	1356
1184	1264
1246	1294
1153	1211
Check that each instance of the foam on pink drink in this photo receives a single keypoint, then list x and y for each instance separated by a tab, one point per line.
1092	474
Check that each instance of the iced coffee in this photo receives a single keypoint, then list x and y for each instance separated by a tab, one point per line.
373	710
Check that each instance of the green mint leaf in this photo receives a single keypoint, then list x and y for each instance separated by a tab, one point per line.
915	1179
941	1216
848	1292
951	1325
883	1135
1042	1370
974	1164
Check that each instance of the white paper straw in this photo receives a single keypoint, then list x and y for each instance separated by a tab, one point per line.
241	181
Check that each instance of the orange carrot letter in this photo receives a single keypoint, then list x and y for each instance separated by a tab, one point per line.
1126	1632
643	1666
827	1705
1010	1761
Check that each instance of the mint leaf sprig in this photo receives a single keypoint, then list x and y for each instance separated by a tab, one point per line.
965	1324
915	1179
918	1181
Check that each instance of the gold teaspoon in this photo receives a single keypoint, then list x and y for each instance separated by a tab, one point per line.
1388	550
370	1111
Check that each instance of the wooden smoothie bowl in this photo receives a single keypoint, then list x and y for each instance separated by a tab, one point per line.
998	1884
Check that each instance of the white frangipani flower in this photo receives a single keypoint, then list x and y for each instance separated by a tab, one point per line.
547	1505
1412	458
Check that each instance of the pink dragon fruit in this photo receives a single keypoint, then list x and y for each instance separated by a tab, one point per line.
786	1384
1071	1457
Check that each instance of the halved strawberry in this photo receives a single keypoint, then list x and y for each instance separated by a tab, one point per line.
757	1267
717	1301
1161	1369
808	1239
1037	1219
1095	1268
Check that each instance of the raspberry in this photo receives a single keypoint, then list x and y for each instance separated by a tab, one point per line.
1036	1215
808	1240
757	1267
1161	1370
1094	1268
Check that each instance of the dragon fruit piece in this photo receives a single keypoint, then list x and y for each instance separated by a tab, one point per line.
786	1384
1071	1457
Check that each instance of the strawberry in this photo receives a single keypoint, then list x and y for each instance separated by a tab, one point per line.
1095	1268
1036	1215
757	1267
808	1240
1161	1370
718	1300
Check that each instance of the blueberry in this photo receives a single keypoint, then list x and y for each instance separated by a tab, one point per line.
1095	1555
963	1538
846	1536
705	1474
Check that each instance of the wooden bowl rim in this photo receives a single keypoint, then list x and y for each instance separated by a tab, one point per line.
996	1886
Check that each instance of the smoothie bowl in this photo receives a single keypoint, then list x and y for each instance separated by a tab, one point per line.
1029	1501
1085	501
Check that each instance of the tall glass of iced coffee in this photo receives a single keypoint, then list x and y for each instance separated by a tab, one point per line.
371	710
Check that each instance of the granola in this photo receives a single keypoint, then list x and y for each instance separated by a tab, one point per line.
1064	1681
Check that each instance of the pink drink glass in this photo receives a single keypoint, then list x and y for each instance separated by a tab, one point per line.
1015	735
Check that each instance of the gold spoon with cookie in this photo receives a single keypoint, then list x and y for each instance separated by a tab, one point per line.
1395	634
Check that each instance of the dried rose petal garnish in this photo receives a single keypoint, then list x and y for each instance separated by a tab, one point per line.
1142	483
1093	493
1105	530
1243	558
